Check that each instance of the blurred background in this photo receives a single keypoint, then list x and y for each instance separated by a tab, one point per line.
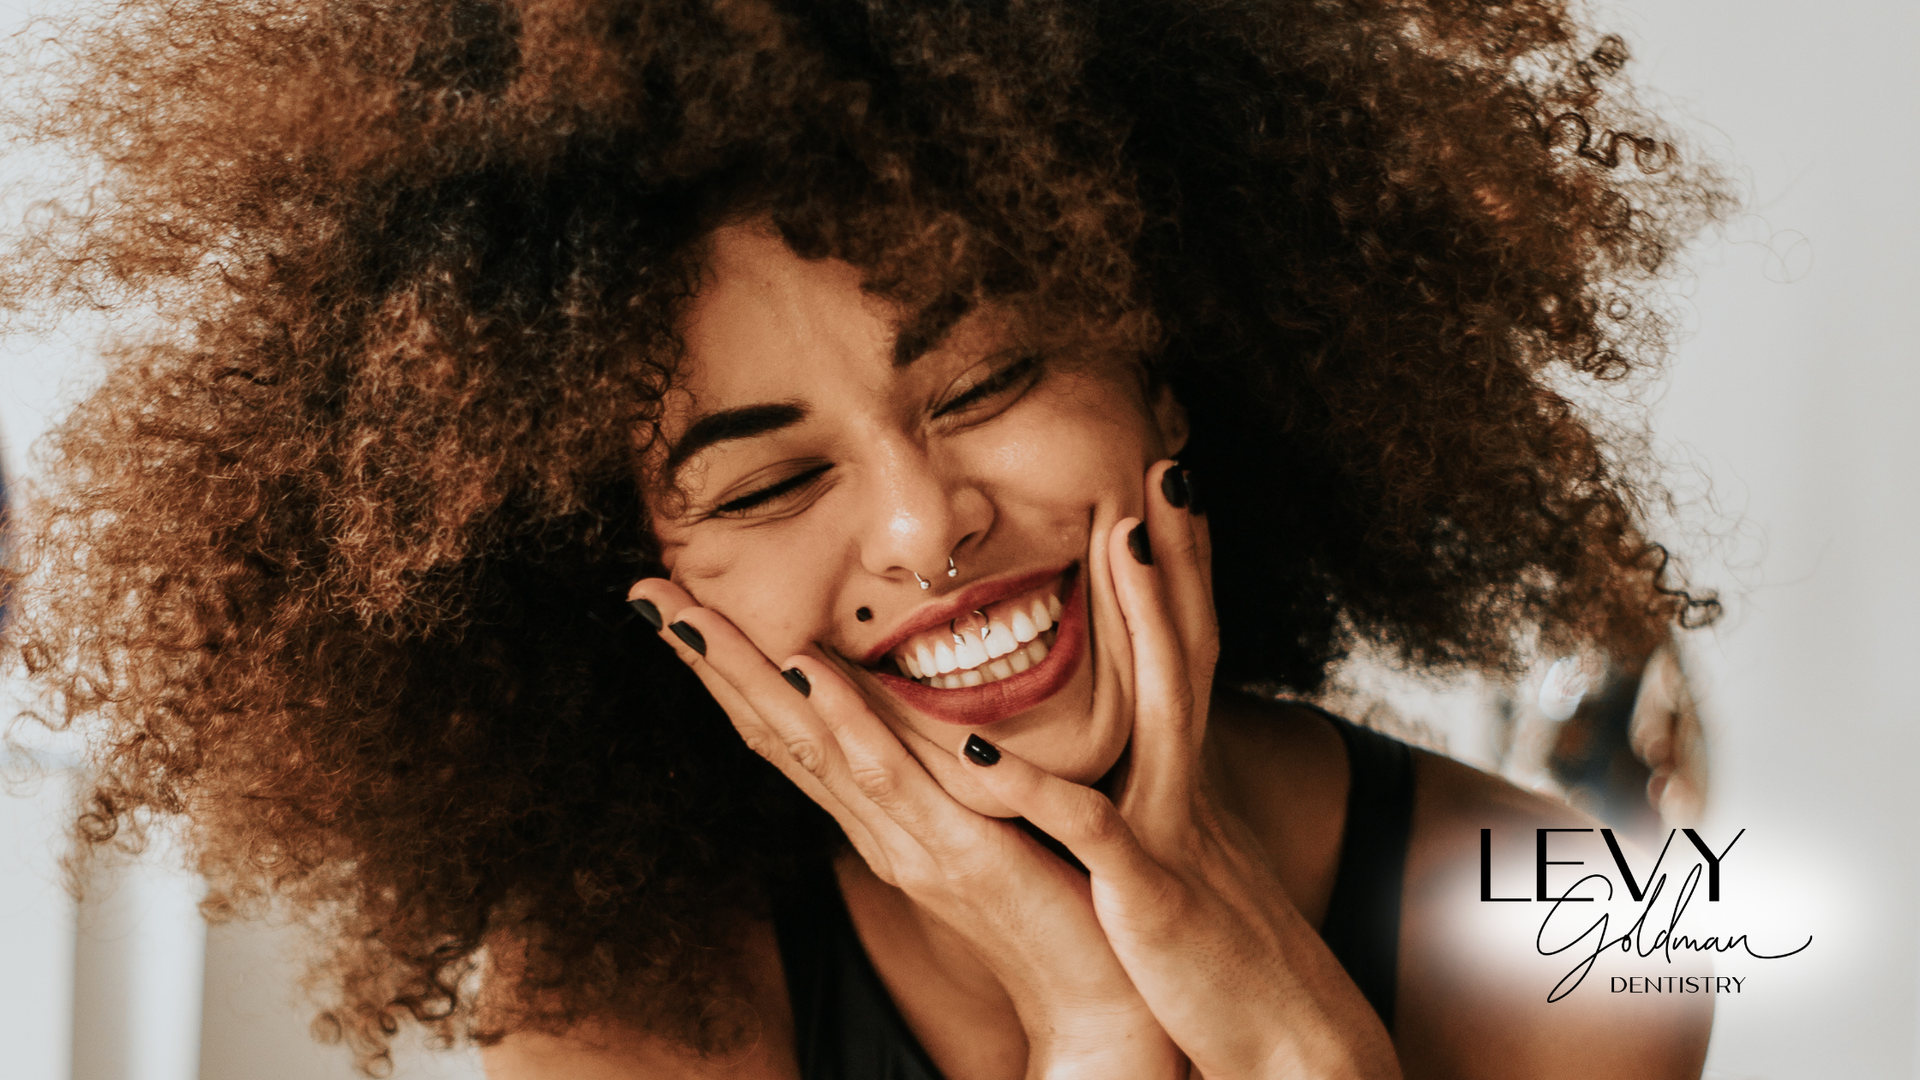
1786	423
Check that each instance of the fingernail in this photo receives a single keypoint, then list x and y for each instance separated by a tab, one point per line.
647	611
1138	544
691	636
798	680
1173	484
981	752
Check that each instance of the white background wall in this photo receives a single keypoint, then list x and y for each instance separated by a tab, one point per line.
1797	392
1793	398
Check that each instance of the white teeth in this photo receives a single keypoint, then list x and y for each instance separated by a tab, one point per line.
969	653
1006	646
991	671
1000	640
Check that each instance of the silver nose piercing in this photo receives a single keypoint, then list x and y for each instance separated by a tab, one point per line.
952	570
924	583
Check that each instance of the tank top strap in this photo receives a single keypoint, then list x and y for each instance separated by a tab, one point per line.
845	1026
1362	927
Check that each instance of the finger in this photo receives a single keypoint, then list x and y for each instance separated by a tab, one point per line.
661	602
669	606
1164	751
1079	817
885	772
1183	567
720	651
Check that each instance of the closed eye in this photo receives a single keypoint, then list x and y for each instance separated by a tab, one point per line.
772	492
1006	378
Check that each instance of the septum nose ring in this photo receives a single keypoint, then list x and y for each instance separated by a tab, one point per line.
953	570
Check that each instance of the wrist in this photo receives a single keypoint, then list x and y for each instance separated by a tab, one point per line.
1109	1045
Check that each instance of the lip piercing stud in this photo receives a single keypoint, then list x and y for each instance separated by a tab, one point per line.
952	570
864	614
985	629
924	583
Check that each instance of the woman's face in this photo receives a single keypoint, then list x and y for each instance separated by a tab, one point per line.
822	477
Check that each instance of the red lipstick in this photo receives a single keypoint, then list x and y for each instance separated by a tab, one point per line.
1005	698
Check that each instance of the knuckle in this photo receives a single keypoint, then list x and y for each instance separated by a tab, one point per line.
877	782
1095	819
758	742
808	754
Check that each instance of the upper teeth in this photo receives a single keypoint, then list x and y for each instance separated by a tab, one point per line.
967	652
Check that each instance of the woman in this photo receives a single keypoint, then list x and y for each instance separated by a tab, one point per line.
862	339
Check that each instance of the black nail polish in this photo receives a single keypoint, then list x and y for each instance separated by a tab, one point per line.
691	636
981	752
1173	485
647	611
798	680
1138	544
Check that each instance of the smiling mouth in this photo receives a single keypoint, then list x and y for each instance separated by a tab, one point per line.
995	642
1033	642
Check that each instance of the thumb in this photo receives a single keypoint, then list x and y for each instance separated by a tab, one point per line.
1079	817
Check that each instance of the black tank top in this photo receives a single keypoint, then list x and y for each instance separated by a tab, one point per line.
847	1028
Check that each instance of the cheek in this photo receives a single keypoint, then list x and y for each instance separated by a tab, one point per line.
1091	445
779	611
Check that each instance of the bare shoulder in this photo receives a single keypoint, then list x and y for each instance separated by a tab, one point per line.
612	1050
1473	980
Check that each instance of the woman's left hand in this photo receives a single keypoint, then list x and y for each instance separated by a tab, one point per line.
1217	949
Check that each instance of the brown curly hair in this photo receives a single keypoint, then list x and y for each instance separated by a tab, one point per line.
331	564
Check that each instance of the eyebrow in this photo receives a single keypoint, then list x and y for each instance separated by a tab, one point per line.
745	422
928	327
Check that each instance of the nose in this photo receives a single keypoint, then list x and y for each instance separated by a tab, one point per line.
927	516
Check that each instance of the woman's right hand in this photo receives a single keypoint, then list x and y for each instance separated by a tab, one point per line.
1024	913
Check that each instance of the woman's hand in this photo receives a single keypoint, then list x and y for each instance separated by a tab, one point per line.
1228	965
1025	914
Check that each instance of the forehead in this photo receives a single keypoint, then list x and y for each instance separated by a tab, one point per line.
766	321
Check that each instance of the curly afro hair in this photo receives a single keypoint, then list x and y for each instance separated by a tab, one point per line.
330	565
